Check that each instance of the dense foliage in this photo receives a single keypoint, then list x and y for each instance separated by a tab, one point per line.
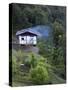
25	16
33	69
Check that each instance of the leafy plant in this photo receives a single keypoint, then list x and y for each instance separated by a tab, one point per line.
39	74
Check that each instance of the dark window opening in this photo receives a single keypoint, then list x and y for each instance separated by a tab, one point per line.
22	38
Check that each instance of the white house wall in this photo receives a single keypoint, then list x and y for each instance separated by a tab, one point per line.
28	40
22	41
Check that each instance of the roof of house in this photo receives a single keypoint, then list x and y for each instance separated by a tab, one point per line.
28	30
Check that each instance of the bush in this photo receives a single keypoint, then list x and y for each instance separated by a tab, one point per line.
14	64
39	74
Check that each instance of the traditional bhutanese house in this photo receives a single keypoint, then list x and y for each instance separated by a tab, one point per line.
27	37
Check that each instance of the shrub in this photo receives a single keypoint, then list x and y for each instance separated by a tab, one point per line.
14	64
39	74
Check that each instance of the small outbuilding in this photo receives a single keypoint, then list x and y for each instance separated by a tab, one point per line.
27	37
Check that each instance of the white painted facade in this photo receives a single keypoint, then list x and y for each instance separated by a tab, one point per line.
28	40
